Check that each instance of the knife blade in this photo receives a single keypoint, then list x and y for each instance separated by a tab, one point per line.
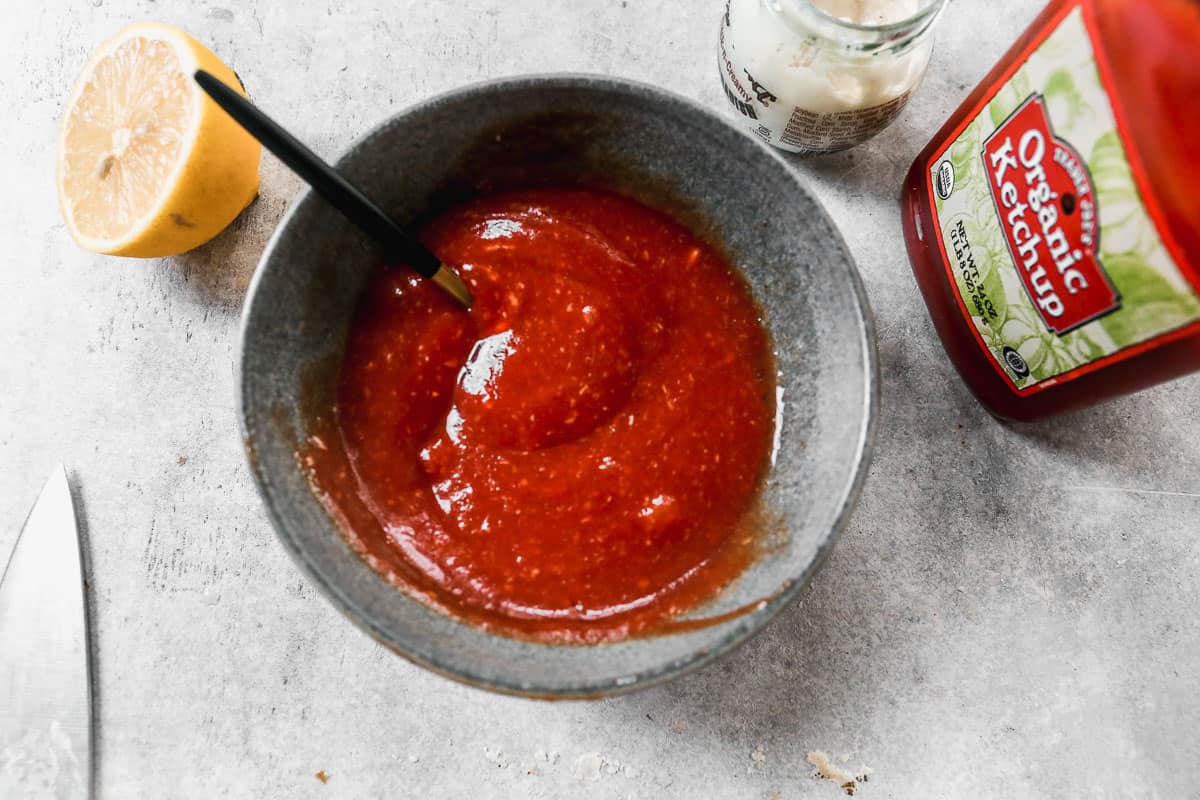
45	676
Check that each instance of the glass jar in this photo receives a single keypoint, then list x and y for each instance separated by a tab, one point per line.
1053	223
818	76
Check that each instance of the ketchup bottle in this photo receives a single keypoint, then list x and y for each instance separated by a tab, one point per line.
1053	223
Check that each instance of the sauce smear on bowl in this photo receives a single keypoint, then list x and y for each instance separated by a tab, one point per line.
579	457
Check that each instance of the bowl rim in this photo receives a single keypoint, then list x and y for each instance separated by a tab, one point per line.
752	623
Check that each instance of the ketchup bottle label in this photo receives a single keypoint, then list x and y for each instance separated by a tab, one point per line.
1049	237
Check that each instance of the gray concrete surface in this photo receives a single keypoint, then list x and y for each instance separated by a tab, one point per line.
1012	612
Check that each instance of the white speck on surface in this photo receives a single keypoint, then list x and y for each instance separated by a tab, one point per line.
758	757
588	766
496	756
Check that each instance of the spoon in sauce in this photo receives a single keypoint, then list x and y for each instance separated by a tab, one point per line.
399	245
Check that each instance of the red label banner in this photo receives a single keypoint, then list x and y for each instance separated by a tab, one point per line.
1047	209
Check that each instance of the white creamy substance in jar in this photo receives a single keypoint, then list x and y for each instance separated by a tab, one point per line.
869	12
807	84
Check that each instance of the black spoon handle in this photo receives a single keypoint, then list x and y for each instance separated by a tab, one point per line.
399	246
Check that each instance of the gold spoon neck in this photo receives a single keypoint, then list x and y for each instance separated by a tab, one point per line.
453	285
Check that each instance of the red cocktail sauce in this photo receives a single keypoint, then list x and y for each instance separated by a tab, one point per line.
576	459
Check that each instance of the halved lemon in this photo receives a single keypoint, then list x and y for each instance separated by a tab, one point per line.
148	165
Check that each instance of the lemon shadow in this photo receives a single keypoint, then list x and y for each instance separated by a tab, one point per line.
217	274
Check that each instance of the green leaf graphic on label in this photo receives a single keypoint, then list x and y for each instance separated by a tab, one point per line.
1124	225
1083	346
1110	169
993	289
1150	304
1064	100
1010	97
1045	354
968	172
964	155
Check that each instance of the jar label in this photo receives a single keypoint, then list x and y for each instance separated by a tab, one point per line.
1048	231
794	96
815	132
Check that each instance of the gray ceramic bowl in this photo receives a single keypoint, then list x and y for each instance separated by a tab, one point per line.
669	153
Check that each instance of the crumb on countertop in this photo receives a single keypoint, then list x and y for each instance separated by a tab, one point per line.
824	768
